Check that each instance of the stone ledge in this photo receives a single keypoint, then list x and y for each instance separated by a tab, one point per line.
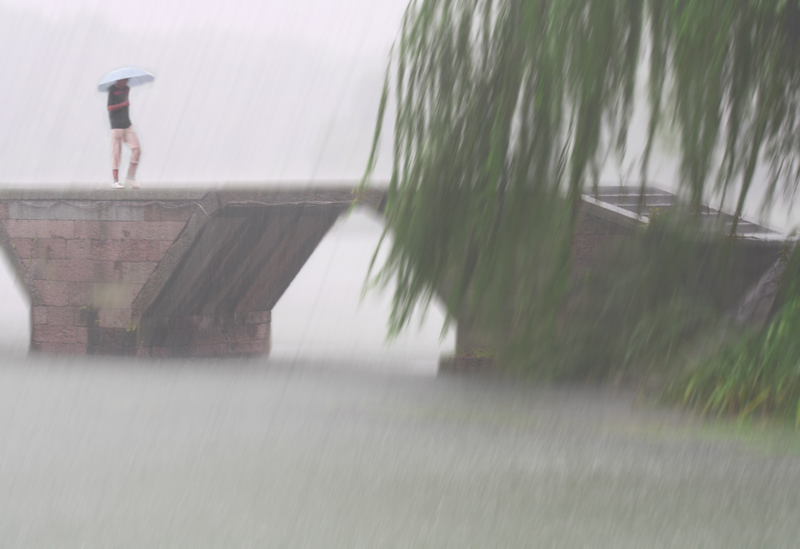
270	192
232	349
462	365
104	194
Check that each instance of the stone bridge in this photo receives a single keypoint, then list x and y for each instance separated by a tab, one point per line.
163	272
198	272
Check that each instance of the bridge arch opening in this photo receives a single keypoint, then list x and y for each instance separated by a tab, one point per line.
15	312
322	318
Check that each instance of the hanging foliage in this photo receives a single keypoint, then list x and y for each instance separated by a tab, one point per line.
505	110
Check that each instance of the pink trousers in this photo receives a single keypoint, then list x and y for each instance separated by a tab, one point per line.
128	135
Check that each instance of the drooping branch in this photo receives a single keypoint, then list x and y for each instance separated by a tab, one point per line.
503	109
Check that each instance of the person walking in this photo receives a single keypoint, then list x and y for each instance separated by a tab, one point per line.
122	130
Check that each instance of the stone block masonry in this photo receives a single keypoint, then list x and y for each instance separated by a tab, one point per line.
474	351
83	262
165	272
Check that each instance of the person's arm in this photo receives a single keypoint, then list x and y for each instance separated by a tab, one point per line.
118	106
118	98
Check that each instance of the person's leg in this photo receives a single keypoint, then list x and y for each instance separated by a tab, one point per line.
116	154
132	141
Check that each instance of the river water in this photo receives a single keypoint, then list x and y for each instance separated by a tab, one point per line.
269	453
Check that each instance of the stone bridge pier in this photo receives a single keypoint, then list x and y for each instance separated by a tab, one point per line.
165	272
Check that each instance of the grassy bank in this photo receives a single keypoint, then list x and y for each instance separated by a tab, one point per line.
753	372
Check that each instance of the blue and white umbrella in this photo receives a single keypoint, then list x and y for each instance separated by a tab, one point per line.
134	75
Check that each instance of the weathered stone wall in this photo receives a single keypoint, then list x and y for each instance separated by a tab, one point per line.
236	334
83	262
233	274
473	346
591	235
99	266
745	263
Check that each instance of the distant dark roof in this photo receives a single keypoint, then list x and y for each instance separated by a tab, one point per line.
626	206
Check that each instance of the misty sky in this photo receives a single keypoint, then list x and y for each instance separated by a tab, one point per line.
245	90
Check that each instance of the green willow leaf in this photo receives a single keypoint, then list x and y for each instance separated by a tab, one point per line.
505	109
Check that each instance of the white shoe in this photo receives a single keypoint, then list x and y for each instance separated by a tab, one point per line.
132	183
118	185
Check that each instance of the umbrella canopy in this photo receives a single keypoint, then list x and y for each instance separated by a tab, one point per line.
134	75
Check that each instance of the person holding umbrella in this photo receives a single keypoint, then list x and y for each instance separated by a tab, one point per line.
117	83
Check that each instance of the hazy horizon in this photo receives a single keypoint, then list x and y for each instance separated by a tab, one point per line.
226	105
